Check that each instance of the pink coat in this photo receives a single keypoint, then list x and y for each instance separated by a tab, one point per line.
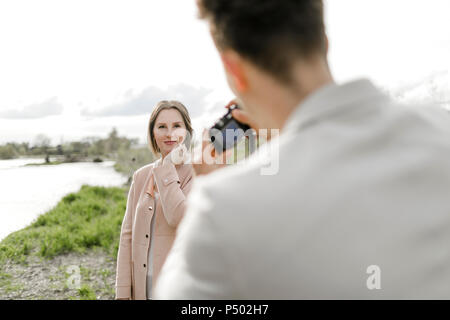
174	183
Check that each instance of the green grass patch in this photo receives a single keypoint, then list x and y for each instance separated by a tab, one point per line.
51	163
89	218
86	293
5	279
7	285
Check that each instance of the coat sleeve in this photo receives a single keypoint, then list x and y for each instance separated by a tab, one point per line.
123	272
172	193
198	265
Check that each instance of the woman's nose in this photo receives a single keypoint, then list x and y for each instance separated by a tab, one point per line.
171	135
175	134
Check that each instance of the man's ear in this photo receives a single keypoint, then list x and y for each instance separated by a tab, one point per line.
234	66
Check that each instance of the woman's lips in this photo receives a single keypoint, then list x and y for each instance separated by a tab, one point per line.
169	142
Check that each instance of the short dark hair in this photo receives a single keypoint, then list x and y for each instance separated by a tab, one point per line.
269	33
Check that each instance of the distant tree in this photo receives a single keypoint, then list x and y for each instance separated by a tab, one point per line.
7	152
59	150
24	148
113	141
41	141
41	144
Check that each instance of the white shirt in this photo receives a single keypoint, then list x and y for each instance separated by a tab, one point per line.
363	184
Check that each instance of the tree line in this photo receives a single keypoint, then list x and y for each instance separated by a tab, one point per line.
91	148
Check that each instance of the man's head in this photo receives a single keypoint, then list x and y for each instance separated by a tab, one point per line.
264	44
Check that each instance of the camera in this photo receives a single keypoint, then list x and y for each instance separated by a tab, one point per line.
227	131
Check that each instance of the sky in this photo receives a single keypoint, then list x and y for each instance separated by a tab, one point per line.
75	69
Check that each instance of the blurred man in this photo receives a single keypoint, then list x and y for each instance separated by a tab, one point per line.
359	207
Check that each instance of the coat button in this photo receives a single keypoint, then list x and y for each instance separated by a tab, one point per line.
150	208
146	235
144	265
165	180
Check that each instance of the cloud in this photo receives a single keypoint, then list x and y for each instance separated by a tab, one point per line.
47	108
143	102
433	89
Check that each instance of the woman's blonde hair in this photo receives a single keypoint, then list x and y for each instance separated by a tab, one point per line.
164	105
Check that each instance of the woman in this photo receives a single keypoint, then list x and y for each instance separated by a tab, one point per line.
156	202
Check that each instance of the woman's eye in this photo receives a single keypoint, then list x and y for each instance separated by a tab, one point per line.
160	127
177	126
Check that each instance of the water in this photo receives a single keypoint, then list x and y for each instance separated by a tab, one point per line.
15	163
27	192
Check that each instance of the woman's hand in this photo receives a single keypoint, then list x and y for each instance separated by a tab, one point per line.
178	155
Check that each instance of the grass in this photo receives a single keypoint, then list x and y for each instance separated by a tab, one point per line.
6	283
86	293
5	279
51	163
89	218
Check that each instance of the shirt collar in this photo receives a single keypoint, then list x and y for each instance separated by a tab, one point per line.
330	98
158	162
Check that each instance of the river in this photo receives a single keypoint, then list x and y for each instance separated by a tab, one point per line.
28	191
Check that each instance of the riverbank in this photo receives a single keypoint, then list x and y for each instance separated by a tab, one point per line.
126	162
60	160
77	239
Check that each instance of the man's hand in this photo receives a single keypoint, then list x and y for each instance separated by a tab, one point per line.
244	117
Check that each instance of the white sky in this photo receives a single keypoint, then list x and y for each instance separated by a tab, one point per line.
85	58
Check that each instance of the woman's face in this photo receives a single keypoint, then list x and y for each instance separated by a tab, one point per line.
169	130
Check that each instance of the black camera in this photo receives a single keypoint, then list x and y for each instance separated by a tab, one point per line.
227	131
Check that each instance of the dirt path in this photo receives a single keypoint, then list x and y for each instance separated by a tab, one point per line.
58	278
